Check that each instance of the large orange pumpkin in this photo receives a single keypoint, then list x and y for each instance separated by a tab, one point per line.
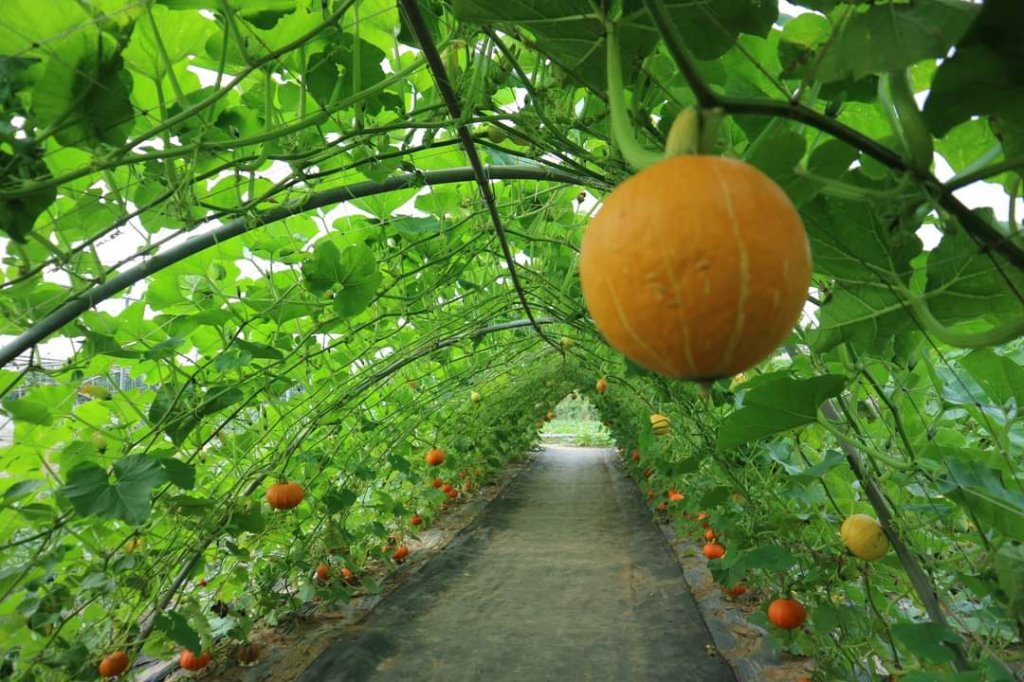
114	664
697	267
285	495
787	613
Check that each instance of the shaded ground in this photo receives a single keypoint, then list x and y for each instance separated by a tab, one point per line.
564	577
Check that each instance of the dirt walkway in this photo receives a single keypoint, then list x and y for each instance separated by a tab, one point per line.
564	577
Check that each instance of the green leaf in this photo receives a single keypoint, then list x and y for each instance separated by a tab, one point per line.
875	38
90	492
179	33
1000	377
179	473
28	26
966	283
765	558
21	490
84	92
572	34
339	500
18	213
983	77
980	489
41	405
1009	566
926	640
831	460
777	403
352	274
259	350
415	227
248	519
176	626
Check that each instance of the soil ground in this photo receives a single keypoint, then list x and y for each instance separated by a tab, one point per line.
563	577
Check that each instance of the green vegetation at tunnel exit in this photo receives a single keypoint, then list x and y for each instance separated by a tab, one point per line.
577	423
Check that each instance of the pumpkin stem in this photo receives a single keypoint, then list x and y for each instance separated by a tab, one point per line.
635	154
695	131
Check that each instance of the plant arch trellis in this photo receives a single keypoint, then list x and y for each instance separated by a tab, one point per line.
470	142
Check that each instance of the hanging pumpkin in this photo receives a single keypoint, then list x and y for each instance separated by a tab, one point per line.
696	267
864	537
285	495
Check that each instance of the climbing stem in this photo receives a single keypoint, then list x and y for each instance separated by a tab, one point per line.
874	454
633	152
897	98
953	337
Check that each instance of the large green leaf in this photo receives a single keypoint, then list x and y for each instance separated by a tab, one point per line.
84	93
352	276
88	488
927	640
777	403
41	404
981	490
178	410
966	282
999	375
875	38
176	626
572	34
984	76
18	213
1009	566
176	36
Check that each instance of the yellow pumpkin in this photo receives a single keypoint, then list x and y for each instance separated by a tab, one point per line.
660	424
864	537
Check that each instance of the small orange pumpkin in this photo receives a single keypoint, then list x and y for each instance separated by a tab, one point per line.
601	386
709	534
415	519
435	457
400	553
189	661
635	456
283	495
737	591
713	550
437	483
114	664
787	613
322	571
675	496
697	284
